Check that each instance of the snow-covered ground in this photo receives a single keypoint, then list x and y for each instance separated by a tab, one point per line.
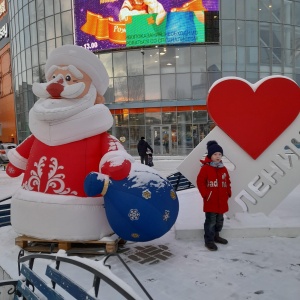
265	268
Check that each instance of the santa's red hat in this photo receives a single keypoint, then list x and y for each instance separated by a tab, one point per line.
82	59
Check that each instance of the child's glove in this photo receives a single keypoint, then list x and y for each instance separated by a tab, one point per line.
117	168
13	171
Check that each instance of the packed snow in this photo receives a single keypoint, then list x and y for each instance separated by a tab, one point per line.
254	265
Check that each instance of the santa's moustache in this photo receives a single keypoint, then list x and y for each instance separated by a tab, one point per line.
50	109
43	90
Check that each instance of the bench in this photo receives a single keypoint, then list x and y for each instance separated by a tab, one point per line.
179	182
61	280
5	213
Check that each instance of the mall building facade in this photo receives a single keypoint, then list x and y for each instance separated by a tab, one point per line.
160	92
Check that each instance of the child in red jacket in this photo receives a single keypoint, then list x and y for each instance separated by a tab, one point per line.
213	182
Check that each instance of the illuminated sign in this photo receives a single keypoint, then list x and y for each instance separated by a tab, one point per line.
112	24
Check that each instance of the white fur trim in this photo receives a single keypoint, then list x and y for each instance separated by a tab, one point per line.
16	159
82	59
68	218
92	121
115	154
57	110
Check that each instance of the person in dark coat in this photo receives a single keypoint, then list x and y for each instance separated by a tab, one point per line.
142	148
213	182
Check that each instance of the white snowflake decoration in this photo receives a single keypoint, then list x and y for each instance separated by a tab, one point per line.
55	180
134	214
166	216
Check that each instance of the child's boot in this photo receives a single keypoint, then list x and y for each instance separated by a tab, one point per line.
219	239
211	246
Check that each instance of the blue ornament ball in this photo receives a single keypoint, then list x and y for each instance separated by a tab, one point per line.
140	208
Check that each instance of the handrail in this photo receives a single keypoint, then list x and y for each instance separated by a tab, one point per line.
4	199
97	273
128	269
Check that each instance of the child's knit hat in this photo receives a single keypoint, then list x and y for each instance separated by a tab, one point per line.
213	147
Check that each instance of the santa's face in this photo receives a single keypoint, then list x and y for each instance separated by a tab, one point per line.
67	92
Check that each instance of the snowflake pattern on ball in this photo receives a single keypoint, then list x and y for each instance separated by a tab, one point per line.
146	194
134	214
173	194
135	235
166	216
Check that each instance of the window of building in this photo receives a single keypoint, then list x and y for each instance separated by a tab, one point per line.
183	59
200	117
119	64
106	59
169	118
228	32
49	8
229	58
183	86
50	30
57	25
152	87
228	9
265	9
121	89
66	22
167	60
251	33
136	117
135	63
198	59
136	90
152	116
33	34
151	61
168	87
199	85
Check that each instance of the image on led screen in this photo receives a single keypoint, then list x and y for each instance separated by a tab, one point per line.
113	24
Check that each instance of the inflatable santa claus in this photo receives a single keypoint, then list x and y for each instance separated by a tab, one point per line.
68	141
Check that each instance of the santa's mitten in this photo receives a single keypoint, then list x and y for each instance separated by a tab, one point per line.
116	168
93	185
13	171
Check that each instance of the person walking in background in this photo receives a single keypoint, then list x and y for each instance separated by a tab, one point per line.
213	182
142	148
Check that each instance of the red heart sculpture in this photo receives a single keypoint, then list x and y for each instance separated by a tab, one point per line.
254	115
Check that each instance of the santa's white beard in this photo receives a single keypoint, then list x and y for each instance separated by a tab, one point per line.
58	109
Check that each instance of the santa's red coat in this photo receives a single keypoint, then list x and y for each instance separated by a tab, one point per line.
62	169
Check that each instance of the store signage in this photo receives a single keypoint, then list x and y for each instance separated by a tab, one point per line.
4	31
101	25
2	8
258	128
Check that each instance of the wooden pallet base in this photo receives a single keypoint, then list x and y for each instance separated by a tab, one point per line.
105	245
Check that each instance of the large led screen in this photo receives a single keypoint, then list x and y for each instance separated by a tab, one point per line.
112	24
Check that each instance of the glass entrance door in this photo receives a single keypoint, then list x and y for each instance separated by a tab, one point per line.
161	139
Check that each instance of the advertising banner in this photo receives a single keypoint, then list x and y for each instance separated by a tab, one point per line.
113	24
